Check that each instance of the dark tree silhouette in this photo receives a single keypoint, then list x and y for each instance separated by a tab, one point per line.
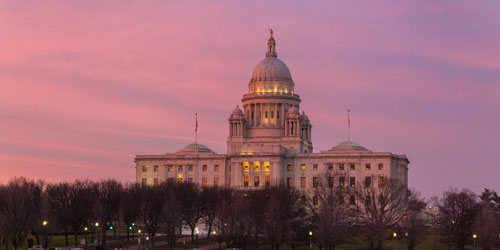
107	204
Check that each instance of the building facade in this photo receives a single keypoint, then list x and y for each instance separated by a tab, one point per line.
269	143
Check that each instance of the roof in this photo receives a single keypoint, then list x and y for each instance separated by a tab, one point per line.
349	146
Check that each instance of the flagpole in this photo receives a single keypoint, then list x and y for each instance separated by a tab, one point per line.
348	124
196	130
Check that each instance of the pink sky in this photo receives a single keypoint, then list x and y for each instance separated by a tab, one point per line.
86	85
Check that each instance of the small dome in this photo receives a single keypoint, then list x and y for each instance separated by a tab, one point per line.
237	111
349	146
304	116
195	148
271	69
293	110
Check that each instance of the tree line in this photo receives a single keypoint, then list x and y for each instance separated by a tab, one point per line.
327	214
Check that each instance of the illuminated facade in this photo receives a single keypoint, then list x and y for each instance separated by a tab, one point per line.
269	143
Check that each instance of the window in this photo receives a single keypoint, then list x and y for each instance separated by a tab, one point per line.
330	182
155	169
190	168
315	182
170	168
268	180
245	181
266	114
352	166
303	167
180	179
315	167
289	182
144	168
170	179
303	182
144	182
216	181
204	168
368	181
341	200
278	114
381	166
190	179
216	168
341	166
289	167
155	182
315	200
180	168
368	166
330	166
381	181
272	114
352	200
341	181
352	181
256	181
256	167
204	181
244	166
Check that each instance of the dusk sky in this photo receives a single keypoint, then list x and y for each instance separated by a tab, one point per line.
87	85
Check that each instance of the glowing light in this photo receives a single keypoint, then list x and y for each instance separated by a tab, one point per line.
214	233
97	224
474	236
139	231
395	235
86	228
45	223
310	233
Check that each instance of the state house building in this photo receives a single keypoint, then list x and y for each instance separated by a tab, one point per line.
269	143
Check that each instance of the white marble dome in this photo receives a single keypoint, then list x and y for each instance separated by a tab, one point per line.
271	69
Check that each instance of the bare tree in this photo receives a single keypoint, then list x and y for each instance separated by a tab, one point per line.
282	207
258	201
80	204
172	212
413	224
381	208
151	210
455	215
131	205
107	201
17	209
330	214
486	221
189	194
208	199
59	202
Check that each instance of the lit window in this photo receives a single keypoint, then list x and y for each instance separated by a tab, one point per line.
204	168
170	168
204	181
190	168
216	168
256	181
244	166
315	182
289	167
303	167
256	167
144	168
155	169
352	181
216	181
179	168
303	182
155	182
341	166
352	166
266	167
268	180
289	182
368	166
144	182
180	179
315	167
245	181
368	181
381	166
381	181
341	181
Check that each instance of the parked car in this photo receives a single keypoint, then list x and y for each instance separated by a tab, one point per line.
36	247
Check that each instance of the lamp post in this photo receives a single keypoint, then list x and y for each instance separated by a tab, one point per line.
406	237
139	233
196	232
394	235
310	240
214	233
474	236
97	231
432	211
85	229
45	223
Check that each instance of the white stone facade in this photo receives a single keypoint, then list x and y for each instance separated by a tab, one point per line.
270	143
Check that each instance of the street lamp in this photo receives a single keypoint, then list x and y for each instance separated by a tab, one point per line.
196	232
394	235
310	240
474	236
406	237
45	223
214	233
85	229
